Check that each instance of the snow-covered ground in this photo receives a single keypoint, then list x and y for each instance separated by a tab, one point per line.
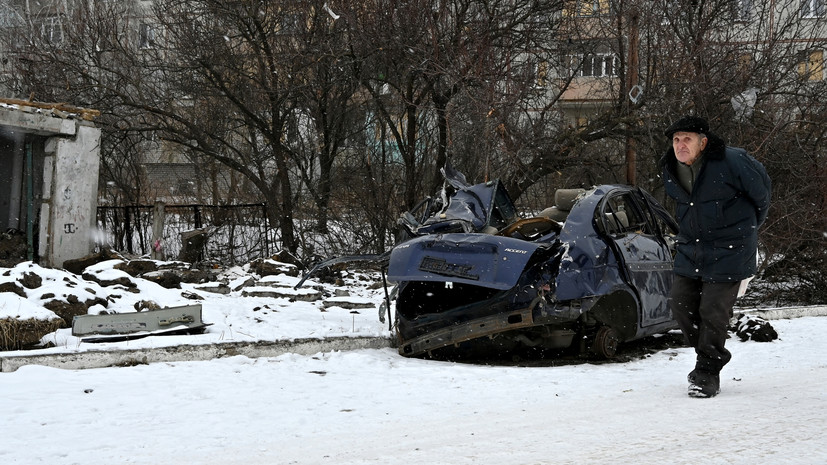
248	314
373	406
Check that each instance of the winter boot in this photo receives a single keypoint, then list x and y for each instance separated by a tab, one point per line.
704	384
692	375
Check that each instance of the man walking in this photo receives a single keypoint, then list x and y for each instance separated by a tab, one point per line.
722	196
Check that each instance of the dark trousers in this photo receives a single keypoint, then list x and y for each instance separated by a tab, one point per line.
702	311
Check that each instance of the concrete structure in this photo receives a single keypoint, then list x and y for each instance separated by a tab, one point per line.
49	178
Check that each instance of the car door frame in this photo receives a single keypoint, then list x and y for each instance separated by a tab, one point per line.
644	255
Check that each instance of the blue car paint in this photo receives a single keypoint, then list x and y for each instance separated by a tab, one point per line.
460	277
585	265
478	259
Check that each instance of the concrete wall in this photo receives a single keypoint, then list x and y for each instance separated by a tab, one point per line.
70	190
67	155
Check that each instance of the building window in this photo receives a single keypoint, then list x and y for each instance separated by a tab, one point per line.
811	65
742	10
586	8
744	65
51	30
542	73
184	187
146	36
594	64
813	9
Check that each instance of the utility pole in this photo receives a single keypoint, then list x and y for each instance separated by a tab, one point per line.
632	87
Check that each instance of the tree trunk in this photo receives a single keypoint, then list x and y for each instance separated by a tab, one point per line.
441	103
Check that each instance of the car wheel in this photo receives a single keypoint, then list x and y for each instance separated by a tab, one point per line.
605	342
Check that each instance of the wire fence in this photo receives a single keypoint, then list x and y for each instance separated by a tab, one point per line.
234	234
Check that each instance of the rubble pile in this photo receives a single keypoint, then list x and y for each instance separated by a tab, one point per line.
108	283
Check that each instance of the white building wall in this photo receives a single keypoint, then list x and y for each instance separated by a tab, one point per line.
67	215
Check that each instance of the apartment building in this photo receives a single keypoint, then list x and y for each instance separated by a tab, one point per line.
629	47
611	56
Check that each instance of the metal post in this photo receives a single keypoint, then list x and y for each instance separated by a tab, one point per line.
29	202
127	229
156	251
632	72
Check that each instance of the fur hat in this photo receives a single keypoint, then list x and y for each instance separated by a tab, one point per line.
688	124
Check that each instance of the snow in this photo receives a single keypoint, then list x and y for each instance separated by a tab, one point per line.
374	406
16	307
240	316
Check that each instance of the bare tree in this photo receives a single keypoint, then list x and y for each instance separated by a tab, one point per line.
224	80
755	69
346	112
420	58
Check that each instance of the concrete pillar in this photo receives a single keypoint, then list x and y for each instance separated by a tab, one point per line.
70	191
158	231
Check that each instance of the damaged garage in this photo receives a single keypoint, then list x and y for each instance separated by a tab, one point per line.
48	182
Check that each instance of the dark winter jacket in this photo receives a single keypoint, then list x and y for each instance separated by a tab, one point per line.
719	219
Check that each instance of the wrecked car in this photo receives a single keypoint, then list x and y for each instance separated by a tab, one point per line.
588	273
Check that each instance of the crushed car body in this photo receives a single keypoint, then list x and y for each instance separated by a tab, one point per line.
589	273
